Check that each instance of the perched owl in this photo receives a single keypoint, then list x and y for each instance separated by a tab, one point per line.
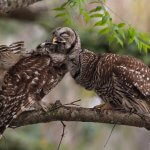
9	55
123	82
27	82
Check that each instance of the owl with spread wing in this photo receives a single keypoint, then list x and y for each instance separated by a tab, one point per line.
28	81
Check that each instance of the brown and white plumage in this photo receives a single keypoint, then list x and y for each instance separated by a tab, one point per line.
121	81
26	83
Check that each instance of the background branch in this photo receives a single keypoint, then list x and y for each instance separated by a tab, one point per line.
11	5
66	113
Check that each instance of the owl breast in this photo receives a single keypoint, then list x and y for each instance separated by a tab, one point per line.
85	76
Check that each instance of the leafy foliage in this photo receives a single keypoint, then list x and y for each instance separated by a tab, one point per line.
99	17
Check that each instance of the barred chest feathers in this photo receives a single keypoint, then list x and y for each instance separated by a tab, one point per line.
94	72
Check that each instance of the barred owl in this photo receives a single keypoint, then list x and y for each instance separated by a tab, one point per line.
27	82
122	82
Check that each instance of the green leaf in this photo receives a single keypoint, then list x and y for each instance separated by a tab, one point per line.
98	8
114	27
99	23
81	11
104	20
86	16
59	9
94	2
118	40
121	25
107	14
145	48
122	33
104	31
140	45
111	38
130	40
60	15
96	15
131	34
137	42
83	1
144	38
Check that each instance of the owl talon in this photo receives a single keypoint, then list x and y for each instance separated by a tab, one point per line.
103	107
58	103
44	106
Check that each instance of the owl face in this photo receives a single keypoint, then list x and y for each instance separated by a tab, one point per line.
64	40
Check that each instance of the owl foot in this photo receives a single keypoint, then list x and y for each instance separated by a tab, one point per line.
103	107
44	106
56	105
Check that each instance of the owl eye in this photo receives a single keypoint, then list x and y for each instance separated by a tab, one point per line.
64	35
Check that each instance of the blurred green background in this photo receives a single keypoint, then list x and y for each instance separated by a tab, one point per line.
33	25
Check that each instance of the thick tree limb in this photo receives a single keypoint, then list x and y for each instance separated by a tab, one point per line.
11	5
80	114
22	14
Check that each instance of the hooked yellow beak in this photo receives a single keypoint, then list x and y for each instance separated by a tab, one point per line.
54	40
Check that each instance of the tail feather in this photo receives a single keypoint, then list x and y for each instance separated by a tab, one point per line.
143	111
4	123
5	120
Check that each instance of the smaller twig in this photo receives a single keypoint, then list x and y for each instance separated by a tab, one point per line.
110	135
73	103
62	135
58	104
113	12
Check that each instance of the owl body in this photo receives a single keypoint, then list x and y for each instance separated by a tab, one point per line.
121	81
26	83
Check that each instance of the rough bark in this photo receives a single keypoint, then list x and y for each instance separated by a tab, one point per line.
7	6
66	113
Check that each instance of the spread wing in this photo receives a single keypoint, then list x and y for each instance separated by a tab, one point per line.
9	55
22	86
17	46
14	47
26	82
134	73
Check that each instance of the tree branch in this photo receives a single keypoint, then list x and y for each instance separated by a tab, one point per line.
11	5
66	113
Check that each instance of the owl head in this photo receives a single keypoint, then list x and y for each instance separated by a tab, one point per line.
65	40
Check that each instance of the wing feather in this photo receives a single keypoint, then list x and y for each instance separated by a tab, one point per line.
134	72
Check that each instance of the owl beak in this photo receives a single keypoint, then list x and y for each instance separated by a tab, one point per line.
54	40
